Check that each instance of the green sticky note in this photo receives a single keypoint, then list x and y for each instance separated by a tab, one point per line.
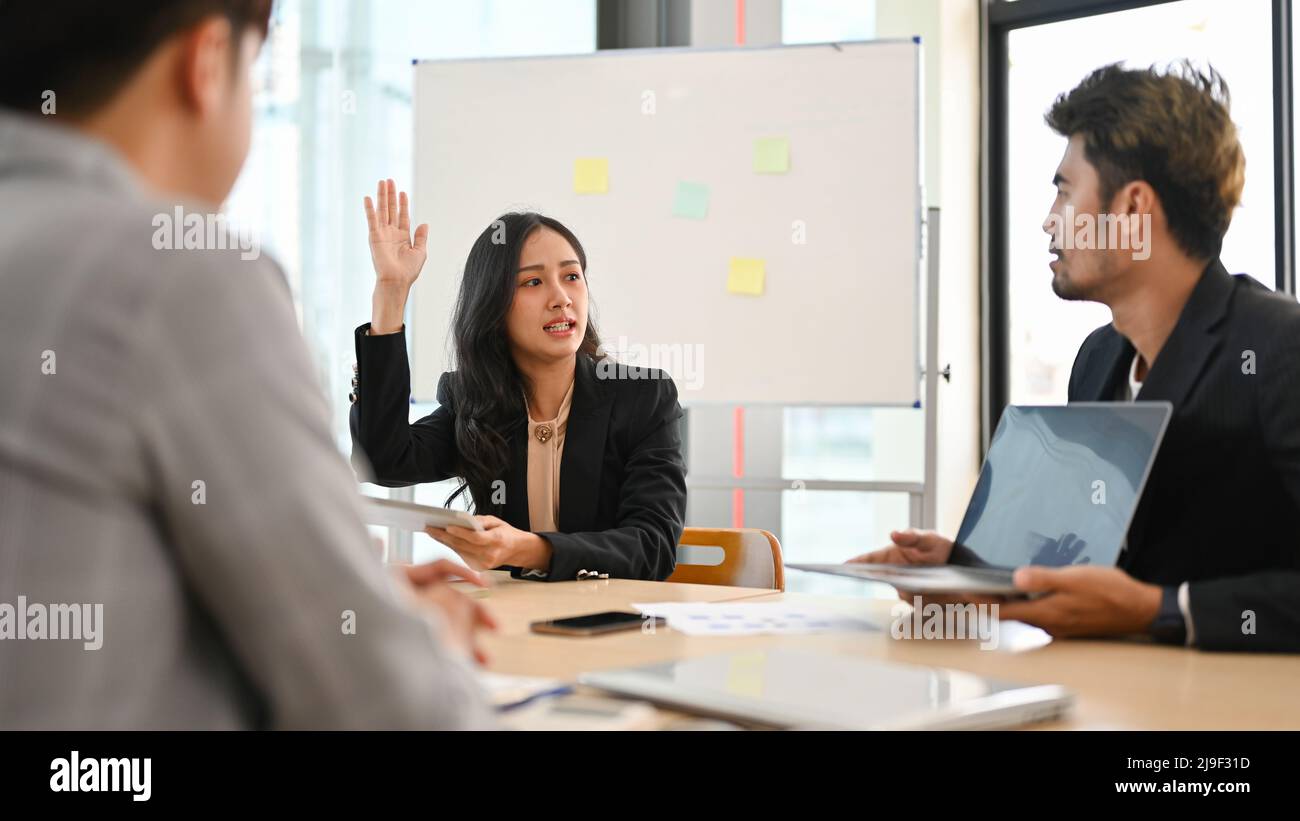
746	276
591	175
692	201
771	155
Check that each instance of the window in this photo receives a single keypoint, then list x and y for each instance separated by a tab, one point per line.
824	21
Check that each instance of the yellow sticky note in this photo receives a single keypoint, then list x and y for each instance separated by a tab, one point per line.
591	175
746	276
771	155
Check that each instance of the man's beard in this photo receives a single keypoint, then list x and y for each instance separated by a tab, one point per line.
1065	289
1069	290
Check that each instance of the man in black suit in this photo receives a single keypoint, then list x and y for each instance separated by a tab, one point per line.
1212	557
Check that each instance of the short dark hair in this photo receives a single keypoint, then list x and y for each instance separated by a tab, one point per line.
1169	128
85	51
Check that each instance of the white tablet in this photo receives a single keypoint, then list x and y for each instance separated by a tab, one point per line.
413	517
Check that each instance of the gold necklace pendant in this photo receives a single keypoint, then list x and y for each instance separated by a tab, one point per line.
543	433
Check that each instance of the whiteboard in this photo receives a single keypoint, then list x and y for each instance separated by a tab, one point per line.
839	232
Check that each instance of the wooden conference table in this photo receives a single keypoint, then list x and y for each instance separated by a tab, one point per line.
1117	684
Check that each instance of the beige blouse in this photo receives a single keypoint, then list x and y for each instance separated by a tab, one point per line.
545	448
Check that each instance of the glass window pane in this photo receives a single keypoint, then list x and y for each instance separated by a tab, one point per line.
833	525
854	444
826	21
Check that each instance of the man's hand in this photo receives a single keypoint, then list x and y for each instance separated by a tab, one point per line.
1084	601
910	547
461	618
498	544
440	572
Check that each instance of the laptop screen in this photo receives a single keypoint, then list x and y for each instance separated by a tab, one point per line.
1060	484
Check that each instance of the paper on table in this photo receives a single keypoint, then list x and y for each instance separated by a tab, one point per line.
749	618
591	175
746	275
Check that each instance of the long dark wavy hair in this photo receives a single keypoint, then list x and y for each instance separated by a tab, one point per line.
488	387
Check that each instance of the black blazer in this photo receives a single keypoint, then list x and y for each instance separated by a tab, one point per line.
1221	508
622	476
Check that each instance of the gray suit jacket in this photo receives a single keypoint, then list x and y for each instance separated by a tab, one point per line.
129	374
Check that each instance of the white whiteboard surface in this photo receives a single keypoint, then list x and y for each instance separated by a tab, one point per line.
838	322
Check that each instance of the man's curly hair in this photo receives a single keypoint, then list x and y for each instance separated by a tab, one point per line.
1169	128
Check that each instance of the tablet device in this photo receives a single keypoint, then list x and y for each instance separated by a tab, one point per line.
413	517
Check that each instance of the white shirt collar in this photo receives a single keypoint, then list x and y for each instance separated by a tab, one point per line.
1133	384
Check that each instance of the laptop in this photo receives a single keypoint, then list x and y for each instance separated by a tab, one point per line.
1059	487
801	689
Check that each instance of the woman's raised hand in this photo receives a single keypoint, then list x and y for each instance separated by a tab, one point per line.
397	259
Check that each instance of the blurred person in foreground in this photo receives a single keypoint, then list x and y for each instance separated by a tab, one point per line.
180	541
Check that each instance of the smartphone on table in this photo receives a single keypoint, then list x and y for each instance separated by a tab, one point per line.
598	624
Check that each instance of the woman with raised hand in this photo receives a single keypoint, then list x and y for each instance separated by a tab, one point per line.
574	466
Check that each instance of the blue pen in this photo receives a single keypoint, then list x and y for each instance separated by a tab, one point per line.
557	691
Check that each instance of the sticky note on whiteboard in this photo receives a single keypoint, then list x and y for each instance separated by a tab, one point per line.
691	201
591	175
746	276
771	155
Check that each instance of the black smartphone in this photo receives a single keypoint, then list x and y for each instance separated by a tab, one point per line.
596	624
